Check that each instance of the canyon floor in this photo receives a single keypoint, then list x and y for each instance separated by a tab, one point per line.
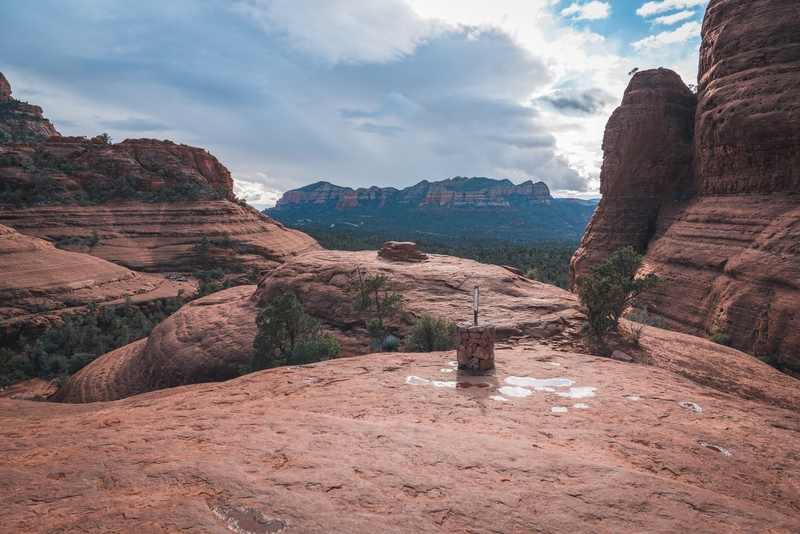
400	442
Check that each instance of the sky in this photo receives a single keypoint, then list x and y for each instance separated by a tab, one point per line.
286	93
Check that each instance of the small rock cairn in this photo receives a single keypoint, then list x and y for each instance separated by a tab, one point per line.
401	251
475	346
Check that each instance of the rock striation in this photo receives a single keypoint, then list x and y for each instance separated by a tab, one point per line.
459	208
724	229
39	281
150	202
20	121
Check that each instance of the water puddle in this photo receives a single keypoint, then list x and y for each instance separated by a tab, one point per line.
558	409
498	398
581	405
452	364
716	448
554	363
417	381
634	397
249	520
463	384
535	382
691	406
295	367
309	379
510	391
447	370
578	393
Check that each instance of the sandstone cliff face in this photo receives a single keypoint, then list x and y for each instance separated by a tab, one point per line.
463	210
647	160
67	188
20	121
748	113
730	255
453	192
163	236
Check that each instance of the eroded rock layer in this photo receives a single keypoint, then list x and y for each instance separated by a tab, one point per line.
205	341
647	160
730	254
20	121
165	235
38	281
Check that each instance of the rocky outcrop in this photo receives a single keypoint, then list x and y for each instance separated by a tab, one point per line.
150	204
730	254
85	171
166	236
647	161
401	251
748	108
205	341
208	339
20	121
352	445
457	209
39	281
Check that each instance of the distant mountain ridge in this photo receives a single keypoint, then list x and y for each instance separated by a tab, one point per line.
472	209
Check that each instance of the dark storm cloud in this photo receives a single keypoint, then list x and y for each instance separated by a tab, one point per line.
583	102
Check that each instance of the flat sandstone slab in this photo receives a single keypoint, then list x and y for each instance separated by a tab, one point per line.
406	443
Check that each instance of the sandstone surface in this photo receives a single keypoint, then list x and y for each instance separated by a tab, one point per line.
208	339
205	341
20	121
164	236
38	281
730	253
401	251
391	443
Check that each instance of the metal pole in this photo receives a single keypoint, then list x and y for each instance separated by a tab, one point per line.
475	307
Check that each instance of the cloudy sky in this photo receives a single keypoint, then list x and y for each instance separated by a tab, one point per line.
354	92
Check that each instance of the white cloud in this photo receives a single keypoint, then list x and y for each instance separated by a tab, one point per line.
592	11
652	8
343	31
675	17
681	35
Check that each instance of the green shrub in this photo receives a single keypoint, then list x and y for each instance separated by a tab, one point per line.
641	315
721	339
609	288
769	359
376	292
387	344
429	333
288	335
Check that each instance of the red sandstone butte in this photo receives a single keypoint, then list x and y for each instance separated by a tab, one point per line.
730	252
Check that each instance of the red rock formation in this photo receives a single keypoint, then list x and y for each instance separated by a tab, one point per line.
205	341
352	446
731	254
20	121
135	229
39	280
748	107
208	339
163	236
647	160
401	251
